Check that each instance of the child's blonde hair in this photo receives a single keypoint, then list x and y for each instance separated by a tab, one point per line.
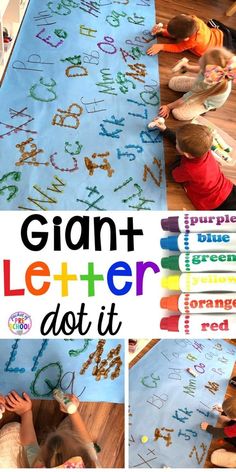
217	57
193	139
229	407
60	446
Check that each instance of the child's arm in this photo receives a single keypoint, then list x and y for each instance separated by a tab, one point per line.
192	68
79	426
77	422
226	419
179	173
165	109
216	432
179	47
22	406
176	104
27	431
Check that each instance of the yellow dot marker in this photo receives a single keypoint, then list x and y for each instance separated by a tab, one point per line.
144	439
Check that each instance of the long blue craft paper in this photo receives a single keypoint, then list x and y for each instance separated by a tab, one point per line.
159	383
29	357
45	78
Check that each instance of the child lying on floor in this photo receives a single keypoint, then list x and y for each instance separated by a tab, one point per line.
228	418
198	171
191	33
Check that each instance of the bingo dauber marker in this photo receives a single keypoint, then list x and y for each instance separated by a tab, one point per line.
194	325
189	223
197	242
180	64
158	28
209	303
200	262
201	282
62	398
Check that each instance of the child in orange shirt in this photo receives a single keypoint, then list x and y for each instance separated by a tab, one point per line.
193	34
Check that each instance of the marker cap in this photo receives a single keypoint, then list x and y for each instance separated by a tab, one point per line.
170	224
171	243
170	323
171	282
171	262
62	398
71	408
164	224
170	303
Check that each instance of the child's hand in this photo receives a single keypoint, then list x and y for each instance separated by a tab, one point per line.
204	425
218	408
17	404
164	111
156	30
73	399
155	49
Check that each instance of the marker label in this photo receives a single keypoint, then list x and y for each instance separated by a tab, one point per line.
194	325
200	242
201	282
198	303
195	262
195	224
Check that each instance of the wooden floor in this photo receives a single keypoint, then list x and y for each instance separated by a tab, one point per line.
215	443
105	422
224	117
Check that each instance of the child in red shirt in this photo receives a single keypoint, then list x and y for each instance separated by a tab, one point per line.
228	418
197	169
193	34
